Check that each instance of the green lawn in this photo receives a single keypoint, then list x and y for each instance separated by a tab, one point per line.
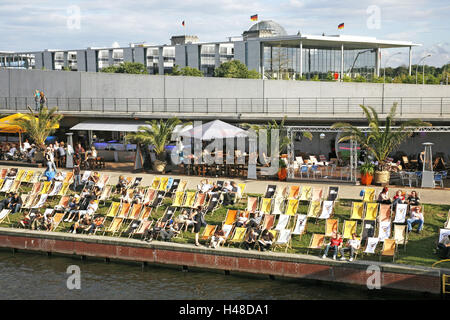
419	250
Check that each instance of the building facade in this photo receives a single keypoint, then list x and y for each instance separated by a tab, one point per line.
265	47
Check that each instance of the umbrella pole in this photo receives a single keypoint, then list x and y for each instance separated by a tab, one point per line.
20	141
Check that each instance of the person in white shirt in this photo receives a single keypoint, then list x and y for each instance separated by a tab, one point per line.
353	244
26	145
92	207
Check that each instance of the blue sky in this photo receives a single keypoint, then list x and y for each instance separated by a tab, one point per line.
44	24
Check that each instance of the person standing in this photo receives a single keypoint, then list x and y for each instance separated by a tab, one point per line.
37	100
43	99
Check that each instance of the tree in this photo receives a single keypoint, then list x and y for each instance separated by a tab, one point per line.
127	67
381	139
191	72
39	126
235	69
176	71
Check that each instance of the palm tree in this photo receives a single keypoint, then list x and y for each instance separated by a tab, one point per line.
381	139
39	126
156	134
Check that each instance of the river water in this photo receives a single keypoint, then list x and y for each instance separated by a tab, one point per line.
35	276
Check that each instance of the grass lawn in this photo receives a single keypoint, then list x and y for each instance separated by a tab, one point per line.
419	250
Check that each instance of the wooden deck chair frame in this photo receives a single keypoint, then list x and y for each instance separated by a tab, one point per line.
317	240
403	239
287	244
4	215
389	249
357	212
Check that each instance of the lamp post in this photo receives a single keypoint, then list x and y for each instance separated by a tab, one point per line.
357	55
423	58
384	70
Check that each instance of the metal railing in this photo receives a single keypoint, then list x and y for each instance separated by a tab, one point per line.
293	106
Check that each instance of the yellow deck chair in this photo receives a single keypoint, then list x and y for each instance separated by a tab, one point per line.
369	195
20	174
252	204
163	184
238	235
371	211
266	205
314	209
64	189
28	177
114	226
231	217
317	194
57	218
316	242
182	186
357	210
291	208
1	182
178	200
46	187
189	199
124	210
305	194
242	186
155	183
331	226
208	232
349	228
113	209
385	212
389	248
293	192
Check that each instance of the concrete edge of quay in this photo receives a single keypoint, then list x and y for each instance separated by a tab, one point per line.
272	264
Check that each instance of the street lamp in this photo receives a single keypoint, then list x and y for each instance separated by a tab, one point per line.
423	79
387	60
357	55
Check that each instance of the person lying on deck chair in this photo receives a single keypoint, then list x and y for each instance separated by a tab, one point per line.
73	209
27	219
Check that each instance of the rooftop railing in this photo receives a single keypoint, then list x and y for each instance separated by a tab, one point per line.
289	106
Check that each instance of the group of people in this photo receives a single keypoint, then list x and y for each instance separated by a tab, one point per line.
229	191
336	244
15	151
40	100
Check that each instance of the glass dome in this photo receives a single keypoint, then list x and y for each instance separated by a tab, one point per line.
269	25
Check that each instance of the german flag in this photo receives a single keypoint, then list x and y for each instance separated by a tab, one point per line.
182	23
254	17
341	26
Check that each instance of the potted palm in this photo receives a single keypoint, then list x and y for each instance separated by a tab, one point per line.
367	170
381	138
156	134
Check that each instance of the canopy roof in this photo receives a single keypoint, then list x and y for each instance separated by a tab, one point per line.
7	126
216	129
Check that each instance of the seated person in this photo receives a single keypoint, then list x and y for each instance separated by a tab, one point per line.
92	207
416	218
255	220
204	186
37	222
27	219
138	196
47	223
11	152
383	197
121	185
170	230
265	242
353	245
186	219
152	233
59	176
217	239
15	204
443	247
73	209
251	239
241	220
126	196
133	226
97	223
5	202
232	192
413	199
398	198
84	224
93	180
335	243
31	152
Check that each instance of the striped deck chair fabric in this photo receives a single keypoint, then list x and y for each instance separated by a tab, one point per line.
305	194
349	228
293	192
163	184
371	245
357	210
317	194
400	213
389	248
208	232
327	209
369	195
385	213
155	183
252	204
384	230
331	227
300	224
268	222
371	211
266	205
170	211
178	200
283	221
292	207
314	209
189	199
278	204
